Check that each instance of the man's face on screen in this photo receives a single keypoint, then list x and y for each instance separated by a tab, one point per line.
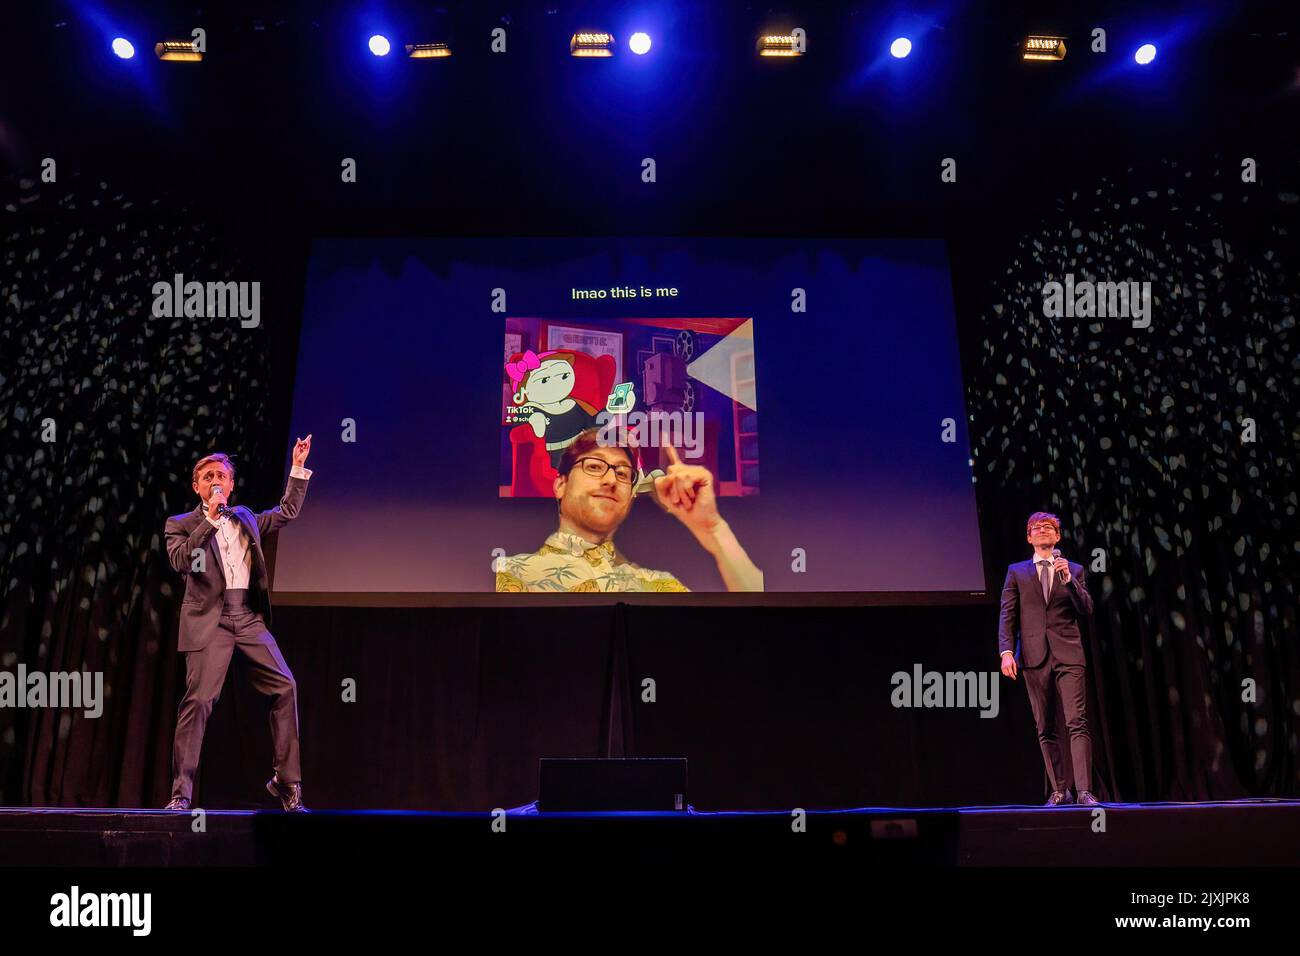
599	504
214	473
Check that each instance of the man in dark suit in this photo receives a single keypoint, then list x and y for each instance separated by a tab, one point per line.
226	608
1044	599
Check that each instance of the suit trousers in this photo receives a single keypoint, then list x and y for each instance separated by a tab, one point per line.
240	629
1044	683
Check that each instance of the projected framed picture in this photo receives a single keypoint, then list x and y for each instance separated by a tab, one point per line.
577	383
591	341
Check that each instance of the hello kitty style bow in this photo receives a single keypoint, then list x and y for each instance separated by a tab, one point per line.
517	370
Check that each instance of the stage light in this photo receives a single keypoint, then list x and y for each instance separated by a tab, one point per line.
379	45
427	51
592	44
181	51
1044	48
900	48
779	45
1145	54
123	48
639	43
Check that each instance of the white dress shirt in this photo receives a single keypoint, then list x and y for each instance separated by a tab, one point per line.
233	542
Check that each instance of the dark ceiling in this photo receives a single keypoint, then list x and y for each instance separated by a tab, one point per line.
534	139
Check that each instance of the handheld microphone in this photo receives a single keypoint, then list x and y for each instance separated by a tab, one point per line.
1056	553
222	509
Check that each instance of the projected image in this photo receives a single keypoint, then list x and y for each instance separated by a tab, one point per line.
567	415
650	383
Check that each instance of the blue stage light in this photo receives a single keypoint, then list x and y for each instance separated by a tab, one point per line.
639	43
900	47
379	45
123	48
1145	53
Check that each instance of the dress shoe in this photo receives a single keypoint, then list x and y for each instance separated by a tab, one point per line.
1058	798
290	794
1086	799
178	803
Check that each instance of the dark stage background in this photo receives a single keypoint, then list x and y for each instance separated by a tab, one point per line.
1131	436
455	705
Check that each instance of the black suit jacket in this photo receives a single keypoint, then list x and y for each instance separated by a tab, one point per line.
205	590
1040	623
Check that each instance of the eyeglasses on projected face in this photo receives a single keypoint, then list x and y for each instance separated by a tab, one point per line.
599	467
1042	526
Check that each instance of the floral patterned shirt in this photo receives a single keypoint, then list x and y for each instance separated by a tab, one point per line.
567	562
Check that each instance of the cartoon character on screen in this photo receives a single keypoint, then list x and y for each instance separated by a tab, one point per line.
564	390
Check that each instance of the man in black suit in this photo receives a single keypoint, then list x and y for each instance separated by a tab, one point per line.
1044	599
226	608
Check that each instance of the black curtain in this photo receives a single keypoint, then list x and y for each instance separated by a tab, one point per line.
132	400
452	707
1137	439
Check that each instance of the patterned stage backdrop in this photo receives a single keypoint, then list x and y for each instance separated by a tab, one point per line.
132	399
1135	438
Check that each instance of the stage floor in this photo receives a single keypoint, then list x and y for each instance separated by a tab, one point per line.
1237	833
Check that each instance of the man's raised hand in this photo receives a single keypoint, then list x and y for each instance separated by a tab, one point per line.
686	492
301	450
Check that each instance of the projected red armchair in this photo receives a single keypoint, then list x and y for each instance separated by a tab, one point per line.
532	474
